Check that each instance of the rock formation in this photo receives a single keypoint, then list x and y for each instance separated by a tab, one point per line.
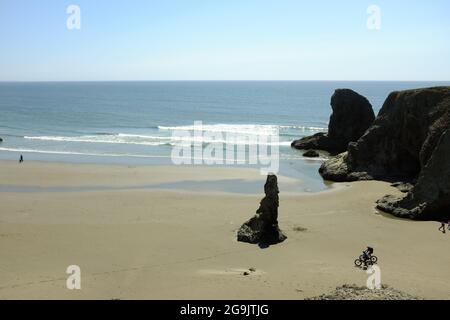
263	227
354	292
1	140
319	141
430	197
352	116
311	154
404	187
409	141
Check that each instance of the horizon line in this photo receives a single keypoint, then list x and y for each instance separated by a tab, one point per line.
212	80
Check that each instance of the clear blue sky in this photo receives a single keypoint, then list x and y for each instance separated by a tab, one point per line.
224	40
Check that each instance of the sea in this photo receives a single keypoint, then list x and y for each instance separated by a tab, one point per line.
133	123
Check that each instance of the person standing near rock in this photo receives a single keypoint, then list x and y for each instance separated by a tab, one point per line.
442	227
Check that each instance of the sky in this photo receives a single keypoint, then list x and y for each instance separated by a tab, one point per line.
225	40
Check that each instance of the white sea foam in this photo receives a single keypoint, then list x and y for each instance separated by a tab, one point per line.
24	150
305	128
216	133
242	128
152	140
119	138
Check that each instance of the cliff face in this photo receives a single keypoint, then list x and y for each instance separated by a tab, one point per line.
407	141
430	197
352	115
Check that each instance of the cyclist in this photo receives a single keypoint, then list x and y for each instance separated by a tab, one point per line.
367	255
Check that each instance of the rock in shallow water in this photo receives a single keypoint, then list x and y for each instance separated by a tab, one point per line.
263	227
319	141
311	154
352	116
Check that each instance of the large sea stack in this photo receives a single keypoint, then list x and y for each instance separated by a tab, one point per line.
409	141
352	116
263	227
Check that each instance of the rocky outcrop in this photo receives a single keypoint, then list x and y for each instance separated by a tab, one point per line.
354	292
311	154
409	141
319	141
352	116
403	186
263	227
430	197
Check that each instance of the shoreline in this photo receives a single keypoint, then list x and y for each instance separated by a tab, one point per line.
99	177
171	244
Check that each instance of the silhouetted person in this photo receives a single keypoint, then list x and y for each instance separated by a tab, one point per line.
367	255
21	159
442	227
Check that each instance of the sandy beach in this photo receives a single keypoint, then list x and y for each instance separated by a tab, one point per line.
175	244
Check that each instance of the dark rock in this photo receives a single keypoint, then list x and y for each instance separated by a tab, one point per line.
352	116
390	204
311	154
337	168
404	187
398	142
407	141
354	292
430	197
319	141
263	227
1	140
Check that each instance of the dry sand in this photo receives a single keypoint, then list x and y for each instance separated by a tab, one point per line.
162	244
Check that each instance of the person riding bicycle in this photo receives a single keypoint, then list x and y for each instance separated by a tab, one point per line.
367	254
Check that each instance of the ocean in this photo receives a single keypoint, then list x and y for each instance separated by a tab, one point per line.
131	123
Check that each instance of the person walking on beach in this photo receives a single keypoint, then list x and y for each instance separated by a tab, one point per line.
442	227
21	159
